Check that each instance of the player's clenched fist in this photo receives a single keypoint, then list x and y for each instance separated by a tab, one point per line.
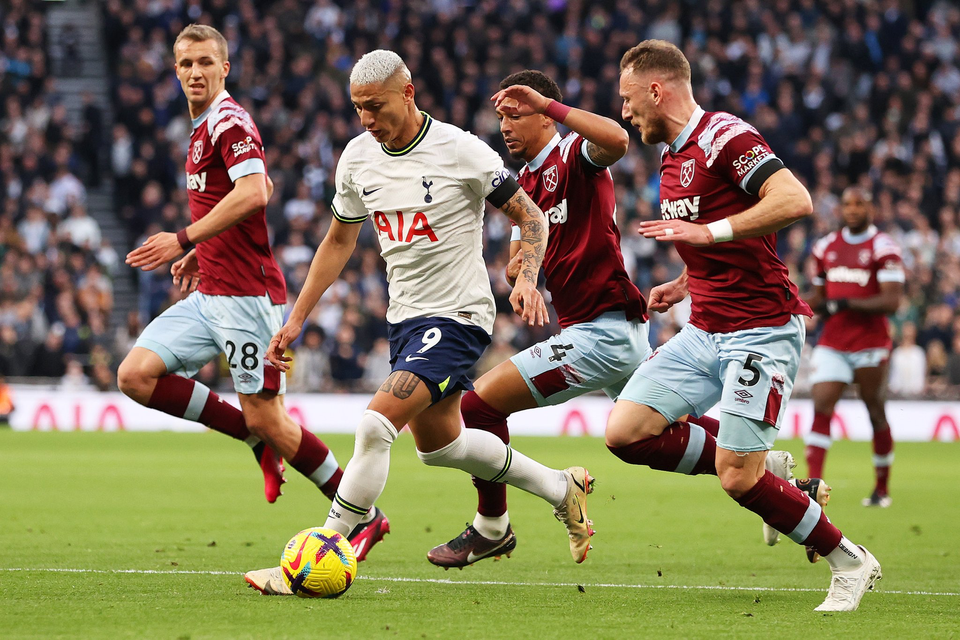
276	352
528	303
664	296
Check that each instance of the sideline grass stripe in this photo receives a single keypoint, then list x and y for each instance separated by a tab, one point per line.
487	582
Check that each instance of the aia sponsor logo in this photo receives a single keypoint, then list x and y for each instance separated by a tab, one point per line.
680	208
398	231
551	177
197	181
687	170
197	151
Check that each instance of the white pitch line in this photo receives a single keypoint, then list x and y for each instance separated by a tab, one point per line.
498	583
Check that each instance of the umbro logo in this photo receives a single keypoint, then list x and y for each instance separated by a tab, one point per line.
743	393
367	192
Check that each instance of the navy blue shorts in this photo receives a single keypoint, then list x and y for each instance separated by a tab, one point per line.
439	351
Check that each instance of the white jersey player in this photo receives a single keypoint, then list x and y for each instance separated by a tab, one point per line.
424	184
427	206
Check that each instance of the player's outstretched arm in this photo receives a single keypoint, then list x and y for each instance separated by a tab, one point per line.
249	195
783	201
607	141
526	299
329	261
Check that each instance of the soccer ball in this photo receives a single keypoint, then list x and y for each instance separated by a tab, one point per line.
318	563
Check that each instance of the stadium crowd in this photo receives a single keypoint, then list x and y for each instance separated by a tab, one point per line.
846	92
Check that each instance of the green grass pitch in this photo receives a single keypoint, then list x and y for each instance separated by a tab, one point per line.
673	556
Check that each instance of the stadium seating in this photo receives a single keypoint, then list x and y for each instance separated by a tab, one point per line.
844	93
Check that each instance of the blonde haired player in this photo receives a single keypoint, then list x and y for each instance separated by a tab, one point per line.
238	291
424	185
723	196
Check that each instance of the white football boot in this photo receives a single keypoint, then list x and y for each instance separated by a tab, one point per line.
780	464
847	587
269	582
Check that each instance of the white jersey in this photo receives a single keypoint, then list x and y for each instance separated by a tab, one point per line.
427	204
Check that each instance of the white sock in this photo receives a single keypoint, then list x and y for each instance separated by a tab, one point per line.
484	455
846	556
492	527
366	473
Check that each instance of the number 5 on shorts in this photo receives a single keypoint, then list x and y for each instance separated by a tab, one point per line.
754	371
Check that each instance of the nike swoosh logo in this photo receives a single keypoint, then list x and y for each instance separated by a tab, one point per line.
580	521
366	193
295	565
411	358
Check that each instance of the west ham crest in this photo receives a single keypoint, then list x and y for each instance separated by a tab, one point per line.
550	178
686	172
197	151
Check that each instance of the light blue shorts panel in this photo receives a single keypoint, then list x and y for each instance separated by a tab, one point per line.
750	372
665	401
590	356
196	330
831	365
745	435
688	365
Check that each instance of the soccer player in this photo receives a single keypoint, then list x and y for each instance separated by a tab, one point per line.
859	282
240	292
424	184
601	312
723	196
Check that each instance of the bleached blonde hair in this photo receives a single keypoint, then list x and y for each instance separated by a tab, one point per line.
377	67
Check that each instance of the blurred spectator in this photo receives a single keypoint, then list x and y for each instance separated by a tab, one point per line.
48	359
345	367
311	369
377	366
74	379
908	364
80	229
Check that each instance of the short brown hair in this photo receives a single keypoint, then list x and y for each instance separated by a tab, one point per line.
656	55
202	33
536	80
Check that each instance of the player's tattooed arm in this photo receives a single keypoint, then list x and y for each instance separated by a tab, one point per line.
533	233
526	299
401	383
